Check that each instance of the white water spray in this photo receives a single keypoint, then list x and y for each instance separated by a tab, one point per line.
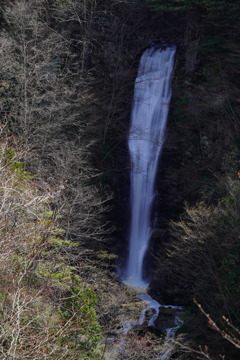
150	108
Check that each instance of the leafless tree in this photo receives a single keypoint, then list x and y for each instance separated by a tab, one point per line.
48	102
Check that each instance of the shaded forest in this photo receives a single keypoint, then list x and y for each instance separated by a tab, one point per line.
67	73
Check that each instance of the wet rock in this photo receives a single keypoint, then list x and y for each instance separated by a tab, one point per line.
166	291
166	318
168	310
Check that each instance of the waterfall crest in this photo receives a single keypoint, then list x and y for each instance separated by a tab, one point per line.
152	94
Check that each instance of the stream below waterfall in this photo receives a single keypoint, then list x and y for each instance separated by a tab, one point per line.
150	107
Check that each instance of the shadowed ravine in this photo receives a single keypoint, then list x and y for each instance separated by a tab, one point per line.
152	95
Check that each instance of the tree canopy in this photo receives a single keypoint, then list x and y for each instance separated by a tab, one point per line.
209	8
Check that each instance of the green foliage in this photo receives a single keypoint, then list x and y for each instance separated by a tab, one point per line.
14	165
40	285
212	7
173	5
85	332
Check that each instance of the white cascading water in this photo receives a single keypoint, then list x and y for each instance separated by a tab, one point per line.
150	108
152	95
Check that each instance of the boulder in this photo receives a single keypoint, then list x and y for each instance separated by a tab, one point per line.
166	318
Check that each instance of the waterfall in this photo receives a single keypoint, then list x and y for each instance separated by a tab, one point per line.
152	94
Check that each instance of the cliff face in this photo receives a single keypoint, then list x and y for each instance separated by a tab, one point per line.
199	182
197	255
